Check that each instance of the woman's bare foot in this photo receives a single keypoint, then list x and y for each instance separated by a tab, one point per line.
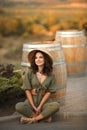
33	115
25	120
49	119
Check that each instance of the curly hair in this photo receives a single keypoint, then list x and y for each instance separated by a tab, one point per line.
48	65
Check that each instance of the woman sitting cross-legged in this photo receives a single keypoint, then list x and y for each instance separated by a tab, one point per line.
39	83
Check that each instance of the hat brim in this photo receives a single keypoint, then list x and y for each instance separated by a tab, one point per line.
33	52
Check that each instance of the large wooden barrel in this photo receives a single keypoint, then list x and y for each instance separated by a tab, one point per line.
85	31
74	46
59	64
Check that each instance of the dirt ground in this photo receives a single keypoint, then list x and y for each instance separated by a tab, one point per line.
8	107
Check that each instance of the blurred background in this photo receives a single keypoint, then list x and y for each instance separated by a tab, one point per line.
24	21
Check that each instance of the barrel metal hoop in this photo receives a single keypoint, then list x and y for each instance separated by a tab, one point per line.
70	33
55	63
59	63
38	46
61	86
25	64
49	49
74	46
76	63
78	74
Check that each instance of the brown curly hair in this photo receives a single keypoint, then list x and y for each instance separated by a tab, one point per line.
48	65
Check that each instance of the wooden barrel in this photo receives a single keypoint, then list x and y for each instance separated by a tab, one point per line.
74	46
85	31
59	65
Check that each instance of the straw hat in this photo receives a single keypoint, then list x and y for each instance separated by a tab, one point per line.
33	52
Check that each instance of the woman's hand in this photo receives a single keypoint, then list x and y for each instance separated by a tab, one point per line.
35	109
38	111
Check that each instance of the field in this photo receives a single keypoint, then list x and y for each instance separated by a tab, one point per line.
23	23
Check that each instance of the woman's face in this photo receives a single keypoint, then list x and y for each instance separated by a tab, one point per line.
39	59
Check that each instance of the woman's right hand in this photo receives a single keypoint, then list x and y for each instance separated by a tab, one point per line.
37	110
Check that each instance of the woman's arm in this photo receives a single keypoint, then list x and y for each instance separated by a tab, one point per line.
30	99
44	99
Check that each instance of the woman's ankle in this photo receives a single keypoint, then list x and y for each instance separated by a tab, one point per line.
33	115
49	119
38	117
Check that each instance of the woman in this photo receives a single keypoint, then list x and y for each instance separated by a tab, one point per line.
39	83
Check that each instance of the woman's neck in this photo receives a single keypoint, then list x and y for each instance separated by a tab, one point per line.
40	69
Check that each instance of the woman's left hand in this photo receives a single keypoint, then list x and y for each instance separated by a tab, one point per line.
38	110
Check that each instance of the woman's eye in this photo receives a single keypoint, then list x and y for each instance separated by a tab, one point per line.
40	57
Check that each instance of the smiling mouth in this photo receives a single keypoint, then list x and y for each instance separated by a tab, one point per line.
38	62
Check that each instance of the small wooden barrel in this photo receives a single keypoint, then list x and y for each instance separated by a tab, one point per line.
74	46
59	65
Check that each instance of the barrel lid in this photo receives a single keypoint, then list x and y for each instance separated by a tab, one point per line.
70	33
40	45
